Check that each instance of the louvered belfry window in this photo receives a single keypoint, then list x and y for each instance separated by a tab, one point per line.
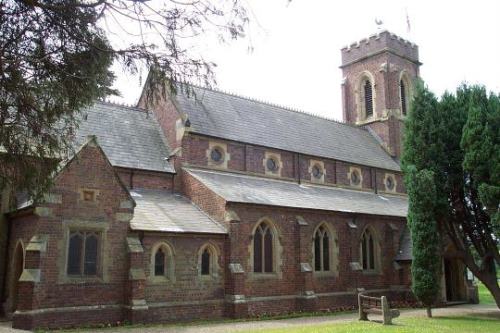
368	99
403	97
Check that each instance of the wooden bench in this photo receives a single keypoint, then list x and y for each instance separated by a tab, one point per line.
376	305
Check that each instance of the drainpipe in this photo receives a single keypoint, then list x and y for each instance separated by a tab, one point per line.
298	167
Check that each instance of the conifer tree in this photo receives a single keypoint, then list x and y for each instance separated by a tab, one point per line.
458	140
421	144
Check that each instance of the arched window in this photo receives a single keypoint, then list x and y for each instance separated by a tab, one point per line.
368	98
404	93
321	250
404	105
162	263
205	262
368	251
263	249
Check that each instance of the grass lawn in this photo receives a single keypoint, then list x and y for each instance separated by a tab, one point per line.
459	324
484	295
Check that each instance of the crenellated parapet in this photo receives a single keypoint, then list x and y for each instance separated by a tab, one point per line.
377	43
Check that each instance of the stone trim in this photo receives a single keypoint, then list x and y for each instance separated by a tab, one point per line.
134	245
30	275
236	268
186	303
395	185
69	308
231	216
359	96
101	227
358	170
333	250
222	147
38	243
169	273
277	251
277	157
215	270
321	165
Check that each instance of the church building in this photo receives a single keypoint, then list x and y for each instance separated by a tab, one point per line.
205	204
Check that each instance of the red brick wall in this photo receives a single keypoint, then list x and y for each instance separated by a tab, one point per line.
208	201
188	285
166	114
145	179
290	282
89	170
249	158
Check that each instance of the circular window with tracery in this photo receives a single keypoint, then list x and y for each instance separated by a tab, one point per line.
317	171
217	155
389	183
272	164
355	177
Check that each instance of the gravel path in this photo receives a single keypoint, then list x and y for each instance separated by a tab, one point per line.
228	327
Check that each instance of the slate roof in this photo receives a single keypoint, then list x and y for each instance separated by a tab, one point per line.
264	191
231	117
130	137
405	251
160	210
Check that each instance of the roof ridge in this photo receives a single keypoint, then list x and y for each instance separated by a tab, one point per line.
122	105
283	107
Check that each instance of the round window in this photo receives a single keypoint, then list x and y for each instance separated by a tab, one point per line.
272	164
355	177
317	171
217	155
389	183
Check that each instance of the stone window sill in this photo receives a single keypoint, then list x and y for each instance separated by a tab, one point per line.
258	276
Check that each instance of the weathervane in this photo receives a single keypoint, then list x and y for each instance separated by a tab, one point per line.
379	23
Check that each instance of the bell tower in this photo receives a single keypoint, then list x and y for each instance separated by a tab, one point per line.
379	74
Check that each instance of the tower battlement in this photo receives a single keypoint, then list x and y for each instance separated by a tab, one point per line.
377	43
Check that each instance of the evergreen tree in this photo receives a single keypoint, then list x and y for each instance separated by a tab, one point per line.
458	140
55	58
421	145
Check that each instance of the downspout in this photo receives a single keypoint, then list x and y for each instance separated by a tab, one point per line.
298	168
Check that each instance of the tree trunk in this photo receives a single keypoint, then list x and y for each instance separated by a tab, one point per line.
429	312
491	283
487	277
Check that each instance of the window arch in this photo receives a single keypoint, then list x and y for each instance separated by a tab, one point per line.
324	249
404	93
365	96
369	253
264	249
162	263
208	261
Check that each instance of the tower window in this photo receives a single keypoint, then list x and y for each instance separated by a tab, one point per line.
368	99
404	98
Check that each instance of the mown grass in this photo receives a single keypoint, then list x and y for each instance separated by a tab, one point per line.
451	324
485	295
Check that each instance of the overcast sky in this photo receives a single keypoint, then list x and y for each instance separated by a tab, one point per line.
296	54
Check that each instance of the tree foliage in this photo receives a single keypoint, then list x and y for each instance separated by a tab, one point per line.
420	146
55	58
458	139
